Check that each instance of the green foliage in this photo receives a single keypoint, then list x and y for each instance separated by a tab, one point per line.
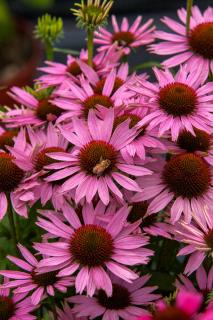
49	29
6	23
39	93
39	4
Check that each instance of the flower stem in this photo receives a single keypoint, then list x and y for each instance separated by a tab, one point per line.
189	9
90	45
49	51
66	51
12	226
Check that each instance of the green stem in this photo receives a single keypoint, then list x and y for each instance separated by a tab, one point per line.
189	9
49	51
66	51
53	308
90	46
12	225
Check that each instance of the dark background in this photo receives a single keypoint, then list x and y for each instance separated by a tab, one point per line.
75	38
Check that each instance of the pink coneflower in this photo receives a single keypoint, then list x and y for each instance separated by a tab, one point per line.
32	111
145	139
207	315
98	93
179	102
196	48
201	144
15	307
127	300
125	37
67	313
57	73
14	182
184	180
186	307
36	145
7	138
96	165
198	237
93	247
30	280
204	282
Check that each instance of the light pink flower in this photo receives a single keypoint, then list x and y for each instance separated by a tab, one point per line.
32	110
67	313
201	144
16	306
36	145
56	73
95	92
126	37
15	184
127	301
179	102
92	248
194	49
198	237
31	281
96	164
204	282
186	307
184	181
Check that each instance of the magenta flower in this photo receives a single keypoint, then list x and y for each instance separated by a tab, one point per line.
127	300
144	141
30	280
185	181
14	182
201	144
92	247
32	111
36	145
186	307
96	93
194	49
179	102
125	37
198	238
67	314
15	307
56	73
207	315
204	282
96	160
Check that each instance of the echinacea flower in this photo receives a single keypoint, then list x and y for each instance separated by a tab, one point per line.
96	165
201	143
127	300
92	247
184	180
207	315
198	237
145	139
186	307
195	48
67	313
179	102
16	306
56	73
94	93
204	282
15	185
126	37
33	111
36	144
7	138
33	282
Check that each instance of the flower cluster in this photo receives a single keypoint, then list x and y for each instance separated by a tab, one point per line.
113	174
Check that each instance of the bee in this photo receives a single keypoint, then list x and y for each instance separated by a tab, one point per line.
101	166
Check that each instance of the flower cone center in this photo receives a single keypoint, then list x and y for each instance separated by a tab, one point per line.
177	99
91	245
201	40
93	101
43	159
171	313
10	174
47	111
120	298
200	142
123	37
7	308
187	175
6	139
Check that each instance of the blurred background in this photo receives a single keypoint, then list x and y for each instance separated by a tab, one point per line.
20	54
